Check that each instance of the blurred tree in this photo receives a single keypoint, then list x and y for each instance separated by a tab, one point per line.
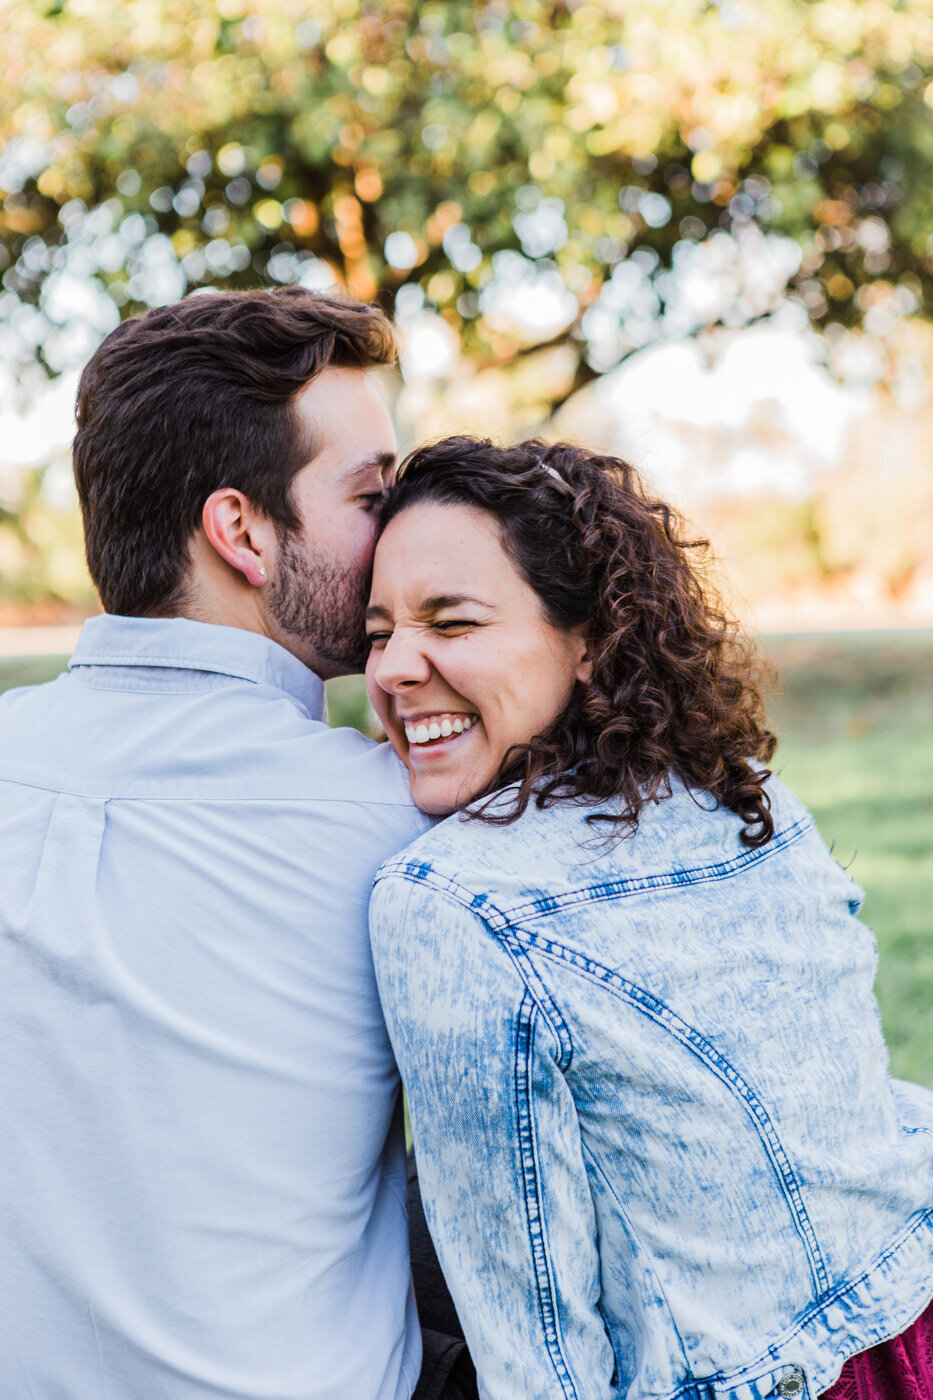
591	175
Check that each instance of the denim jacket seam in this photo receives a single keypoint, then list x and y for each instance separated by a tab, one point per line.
542	996
697	1044
614	889
597	1167
421	873
534	1208
772	1353
821	1305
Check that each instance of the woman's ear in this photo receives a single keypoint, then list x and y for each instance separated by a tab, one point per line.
584	668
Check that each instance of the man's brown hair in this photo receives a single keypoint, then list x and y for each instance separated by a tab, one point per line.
193	397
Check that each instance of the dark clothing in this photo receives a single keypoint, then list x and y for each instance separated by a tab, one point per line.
446	1372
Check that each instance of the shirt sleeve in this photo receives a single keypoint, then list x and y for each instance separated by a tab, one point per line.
498	1144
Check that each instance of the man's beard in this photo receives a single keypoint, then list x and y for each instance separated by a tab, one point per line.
321	605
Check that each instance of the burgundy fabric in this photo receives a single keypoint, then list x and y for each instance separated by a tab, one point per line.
901	1369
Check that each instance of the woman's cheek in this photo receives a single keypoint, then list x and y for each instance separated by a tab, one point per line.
374	692
379	702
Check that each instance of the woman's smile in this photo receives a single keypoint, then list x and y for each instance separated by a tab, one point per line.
437	736
428	729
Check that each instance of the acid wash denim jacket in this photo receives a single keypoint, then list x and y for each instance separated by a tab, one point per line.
659	1148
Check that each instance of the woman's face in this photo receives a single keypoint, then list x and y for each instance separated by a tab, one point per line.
464	663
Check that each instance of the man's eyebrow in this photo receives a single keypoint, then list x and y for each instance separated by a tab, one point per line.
380	463
374	610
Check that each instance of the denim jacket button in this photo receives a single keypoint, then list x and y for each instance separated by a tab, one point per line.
791	1385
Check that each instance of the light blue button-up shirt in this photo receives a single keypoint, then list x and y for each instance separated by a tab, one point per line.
202	1161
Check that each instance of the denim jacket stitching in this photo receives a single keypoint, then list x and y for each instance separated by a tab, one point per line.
534	1211
773	1353
705	1051
598	1168
542	997
498	925
422	872
888	1286
703	874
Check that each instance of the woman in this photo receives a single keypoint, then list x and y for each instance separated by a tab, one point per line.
660	1152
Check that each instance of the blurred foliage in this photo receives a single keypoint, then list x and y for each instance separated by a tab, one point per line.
41	545
161	146
862	536
349	708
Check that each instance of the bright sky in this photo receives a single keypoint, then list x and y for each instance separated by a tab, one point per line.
763	412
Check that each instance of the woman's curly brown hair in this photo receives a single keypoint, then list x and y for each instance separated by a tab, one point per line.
673	683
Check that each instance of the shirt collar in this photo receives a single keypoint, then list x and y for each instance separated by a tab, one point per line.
181	643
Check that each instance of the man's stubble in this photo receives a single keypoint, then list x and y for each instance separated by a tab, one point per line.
321	605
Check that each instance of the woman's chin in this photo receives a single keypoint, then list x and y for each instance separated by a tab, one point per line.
438	799
433	804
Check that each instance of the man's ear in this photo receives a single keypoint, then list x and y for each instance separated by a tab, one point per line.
239	532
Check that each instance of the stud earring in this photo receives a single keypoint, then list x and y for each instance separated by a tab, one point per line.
262	572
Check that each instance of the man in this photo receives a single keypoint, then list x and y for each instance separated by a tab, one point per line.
202	1175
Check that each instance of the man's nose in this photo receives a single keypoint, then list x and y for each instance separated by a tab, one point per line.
402	662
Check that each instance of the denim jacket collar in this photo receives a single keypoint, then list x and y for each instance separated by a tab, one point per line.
183	644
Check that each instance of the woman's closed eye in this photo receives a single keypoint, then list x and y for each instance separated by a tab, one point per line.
448	627
454	623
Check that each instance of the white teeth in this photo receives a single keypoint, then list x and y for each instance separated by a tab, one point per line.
426	730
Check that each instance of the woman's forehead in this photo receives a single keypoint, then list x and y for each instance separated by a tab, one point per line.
431	550
442	535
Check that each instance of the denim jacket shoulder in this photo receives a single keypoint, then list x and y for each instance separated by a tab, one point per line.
658	1062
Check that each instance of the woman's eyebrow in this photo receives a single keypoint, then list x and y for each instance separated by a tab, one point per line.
450	600
429	605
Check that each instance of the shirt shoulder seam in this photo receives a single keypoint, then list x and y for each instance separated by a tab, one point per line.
202	797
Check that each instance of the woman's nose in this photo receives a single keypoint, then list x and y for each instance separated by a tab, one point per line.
401	663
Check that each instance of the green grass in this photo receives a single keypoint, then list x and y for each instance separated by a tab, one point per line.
29	670
855	718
